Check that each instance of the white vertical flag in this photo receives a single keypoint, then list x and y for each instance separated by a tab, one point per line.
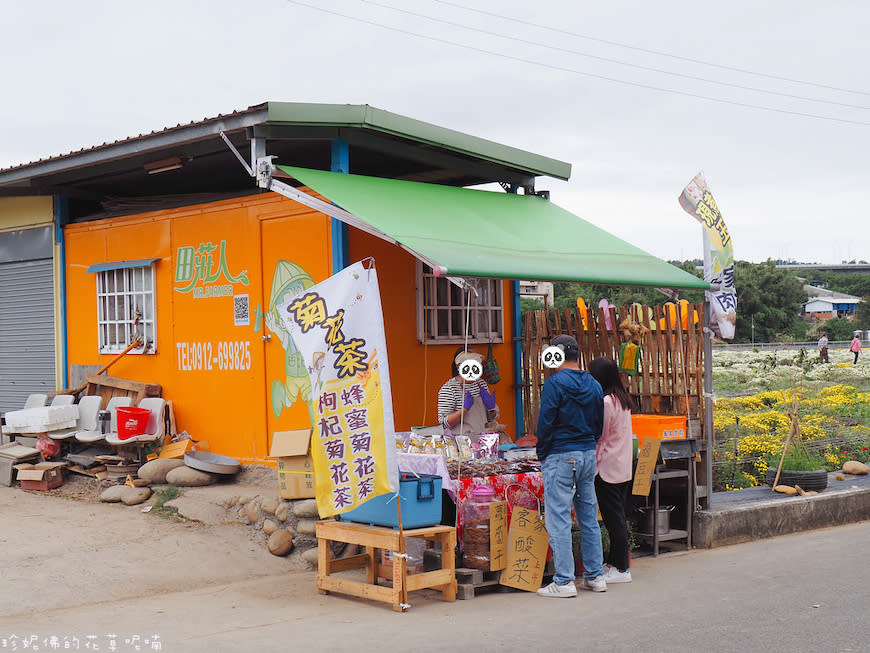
697	200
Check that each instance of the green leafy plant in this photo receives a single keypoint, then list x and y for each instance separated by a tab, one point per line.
159	506
632	540
605	537
799	459
805	361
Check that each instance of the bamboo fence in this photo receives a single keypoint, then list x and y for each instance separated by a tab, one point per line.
671	376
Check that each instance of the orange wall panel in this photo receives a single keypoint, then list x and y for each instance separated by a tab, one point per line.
232	381
213	368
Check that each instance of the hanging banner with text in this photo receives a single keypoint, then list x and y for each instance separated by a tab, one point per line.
338	326
697	200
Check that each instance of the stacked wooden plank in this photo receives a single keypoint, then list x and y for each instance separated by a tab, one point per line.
110	386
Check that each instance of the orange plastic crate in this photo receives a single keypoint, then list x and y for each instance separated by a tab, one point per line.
662	427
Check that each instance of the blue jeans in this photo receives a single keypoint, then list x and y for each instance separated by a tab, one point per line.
570	476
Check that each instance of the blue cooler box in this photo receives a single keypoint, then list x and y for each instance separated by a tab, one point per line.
421	504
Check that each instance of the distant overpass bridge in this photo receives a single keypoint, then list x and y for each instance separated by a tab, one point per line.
841	268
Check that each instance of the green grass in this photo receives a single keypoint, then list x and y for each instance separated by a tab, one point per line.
159	506
800	460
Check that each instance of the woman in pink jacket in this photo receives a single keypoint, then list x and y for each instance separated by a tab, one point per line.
855	348
613	455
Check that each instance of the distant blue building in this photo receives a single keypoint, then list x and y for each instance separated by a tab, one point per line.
825	304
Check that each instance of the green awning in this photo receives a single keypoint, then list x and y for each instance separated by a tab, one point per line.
479	233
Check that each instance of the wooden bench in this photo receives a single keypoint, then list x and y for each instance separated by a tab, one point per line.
374	538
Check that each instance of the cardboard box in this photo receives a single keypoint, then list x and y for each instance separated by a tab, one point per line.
41	476
176	449
170	449
527	543
12	454
295	468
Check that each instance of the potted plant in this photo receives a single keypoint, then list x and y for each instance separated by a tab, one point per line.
797	466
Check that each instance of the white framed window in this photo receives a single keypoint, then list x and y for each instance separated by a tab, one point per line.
125	308
442	304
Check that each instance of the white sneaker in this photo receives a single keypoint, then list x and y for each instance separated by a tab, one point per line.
613	575
596	584
559	591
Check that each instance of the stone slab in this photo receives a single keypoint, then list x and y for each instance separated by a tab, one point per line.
757	513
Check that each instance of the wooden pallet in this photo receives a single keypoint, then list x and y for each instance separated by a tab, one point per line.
471	581
110	386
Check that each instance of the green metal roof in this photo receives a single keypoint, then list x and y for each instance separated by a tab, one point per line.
367	117
480	233
97	180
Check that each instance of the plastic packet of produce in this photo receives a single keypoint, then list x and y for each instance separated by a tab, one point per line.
416	443
488	445
463	444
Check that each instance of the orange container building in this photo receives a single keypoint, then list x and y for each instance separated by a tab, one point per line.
230	373
166	235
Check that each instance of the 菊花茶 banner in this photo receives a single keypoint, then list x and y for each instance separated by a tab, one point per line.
338	326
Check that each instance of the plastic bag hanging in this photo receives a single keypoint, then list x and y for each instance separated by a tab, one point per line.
629	358
490	368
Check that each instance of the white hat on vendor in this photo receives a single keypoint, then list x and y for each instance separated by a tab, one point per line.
465	355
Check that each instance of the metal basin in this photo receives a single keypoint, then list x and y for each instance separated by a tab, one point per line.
211	462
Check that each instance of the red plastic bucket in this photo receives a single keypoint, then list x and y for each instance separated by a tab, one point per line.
131	421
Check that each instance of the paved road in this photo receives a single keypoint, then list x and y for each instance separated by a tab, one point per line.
73	570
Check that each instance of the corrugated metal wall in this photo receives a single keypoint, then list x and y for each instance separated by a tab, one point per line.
27	357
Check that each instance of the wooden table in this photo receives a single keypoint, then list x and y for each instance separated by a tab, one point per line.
374	538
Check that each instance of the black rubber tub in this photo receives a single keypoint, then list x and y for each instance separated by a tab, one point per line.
816	479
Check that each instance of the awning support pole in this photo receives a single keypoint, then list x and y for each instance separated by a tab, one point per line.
265	180
239	156
519	415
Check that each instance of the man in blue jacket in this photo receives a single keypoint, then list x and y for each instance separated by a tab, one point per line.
569	424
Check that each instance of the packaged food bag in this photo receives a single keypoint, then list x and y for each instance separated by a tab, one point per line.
629	358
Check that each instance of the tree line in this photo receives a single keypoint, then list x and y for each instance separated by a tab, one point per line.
769	300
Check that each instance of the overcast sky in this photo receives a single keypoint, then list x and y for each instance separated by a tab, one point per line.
542	76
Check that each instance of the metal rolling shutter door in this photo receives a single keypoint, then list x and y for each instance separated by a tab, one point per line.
26	331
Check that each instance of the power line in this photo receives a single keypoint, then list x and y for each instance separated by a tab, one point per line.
578	72
616	61
655	52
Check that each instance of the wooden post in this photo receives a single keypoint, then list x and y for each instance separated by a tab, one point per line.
400	568
708	399
647	347
782	457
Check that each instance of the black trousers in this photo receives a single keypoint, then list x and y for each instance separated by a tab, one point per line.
612	499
